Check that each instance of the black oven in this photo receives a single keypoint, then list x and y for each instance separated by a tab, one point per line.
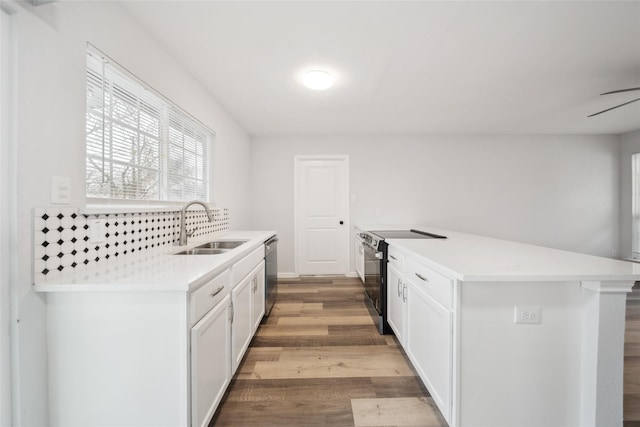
375	270
374	274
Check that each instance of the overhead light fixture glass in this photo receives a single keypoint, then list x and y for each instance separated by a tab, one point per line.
317	80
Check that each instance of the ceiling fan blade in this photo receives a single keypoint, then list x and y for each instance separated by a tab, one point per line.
621	90
613	108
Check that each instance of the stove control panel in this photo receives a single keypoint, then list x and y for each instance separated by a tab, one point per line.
370	240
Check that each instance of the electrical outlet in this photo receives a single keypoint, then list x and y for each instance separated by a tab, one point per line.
97	230
528	315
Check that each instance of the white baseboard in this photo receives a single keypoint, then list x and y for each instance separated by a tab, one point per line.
286	275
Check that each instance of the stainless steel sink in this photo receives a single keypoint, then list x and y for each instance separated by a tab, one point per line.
203	251
222	244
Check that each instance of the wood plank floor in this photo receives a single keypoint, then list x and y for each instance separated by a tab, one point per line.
319	361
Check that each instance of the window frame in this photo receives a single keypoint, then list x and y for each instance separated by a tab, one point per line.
635	206
170	112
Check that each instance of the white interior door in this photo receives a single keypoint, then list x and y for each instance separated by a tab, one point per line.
322	212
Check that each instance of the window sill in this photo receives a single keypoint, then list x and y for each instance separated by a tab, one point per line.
101	206
109	209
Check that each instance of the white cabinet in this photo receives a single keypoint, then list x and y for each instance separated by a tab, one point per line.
208	296
429	331
241	329
210	362
396	303
257	296
156	356
246	316
429	345
360	259
420	313
210	343
396	294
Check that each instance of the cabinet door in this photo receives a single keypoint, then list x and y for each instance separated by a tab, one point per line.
429	344
360	260
396	311
241	325
210	364
257	296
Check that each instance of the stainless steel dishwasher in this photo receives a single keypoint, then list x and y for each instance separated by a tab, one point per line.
271	273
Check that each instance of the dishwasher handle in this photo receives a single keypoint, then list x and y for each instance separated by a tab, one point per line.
271	244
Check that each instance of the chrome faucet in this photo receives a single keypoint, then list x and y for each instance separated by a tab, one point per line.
184	234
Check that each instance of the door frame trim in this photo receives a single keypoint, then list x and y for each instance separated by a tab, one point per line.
297	161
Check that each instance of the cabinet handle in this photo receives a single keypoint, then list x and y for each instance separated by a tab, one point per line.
399	283
217	291
404	293
231	312
424	279
392	257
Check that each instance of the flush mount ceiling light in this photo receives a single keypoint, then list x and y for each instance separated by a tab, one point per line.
317	80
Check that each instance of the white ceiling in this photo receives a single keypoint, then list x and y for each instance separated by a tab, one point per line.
410	67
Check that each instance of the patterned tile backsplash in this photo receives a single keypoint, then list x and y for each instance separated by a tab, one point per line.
62	236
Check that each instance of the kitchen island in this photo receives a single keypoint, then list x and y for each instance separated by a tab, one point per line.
510	334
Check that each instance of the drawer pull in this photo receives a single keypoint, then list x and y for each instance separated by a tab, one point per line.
393	258
217	291
424	279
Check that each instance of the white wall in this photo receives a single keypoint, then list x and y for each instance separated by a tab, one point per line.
629	144
51	65
556	191
7	217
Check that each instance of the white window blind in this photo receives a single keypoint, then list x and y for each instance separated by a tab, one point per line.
139	145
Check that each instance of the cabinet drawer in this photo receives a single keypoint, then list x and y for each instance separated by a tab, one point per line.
207	296
437	285
247	264
396	258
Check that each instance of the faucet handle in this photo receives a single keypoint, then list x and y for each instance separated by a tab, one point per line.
190	233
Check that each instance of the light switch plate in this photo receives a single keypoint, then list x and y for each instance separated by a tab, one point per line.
60	190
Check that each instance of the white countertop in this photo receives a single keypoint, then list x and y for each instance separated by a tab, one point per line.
157	270
470	257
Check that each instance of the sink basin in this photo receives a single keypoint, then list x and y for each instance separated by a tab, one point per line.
203	251
222	244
